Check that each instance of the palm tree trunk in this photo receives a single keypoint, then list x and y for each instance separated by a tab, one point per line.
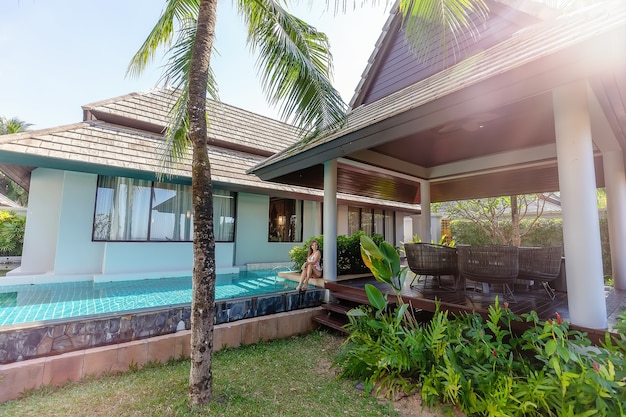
203	294
516	239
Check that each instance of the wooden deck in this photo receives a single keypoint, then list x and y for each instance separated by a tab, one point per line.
424	294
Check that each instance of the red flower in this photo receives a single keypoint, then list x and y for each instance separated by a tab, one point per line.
559	320
550	321
595	366
495	353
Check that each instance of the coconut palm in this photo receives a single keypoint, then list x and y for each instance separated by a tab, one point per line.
295	65
13	125
9	187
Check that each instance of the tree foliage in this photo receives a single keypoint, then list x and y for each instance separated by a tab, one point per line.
503	220
12	229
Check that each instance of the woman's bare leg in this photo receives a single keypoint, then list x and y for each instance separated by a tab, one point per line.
300	284
307	274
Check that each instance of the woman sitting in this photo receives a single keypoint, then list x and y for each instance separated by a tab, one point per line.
311	268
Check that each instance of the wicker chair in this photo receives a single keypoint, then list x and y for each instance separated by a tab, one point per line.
540	264
426	259
492	264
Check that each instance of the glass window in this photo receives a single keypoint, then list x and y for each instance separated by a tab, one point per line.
129	209
172	213
367	221
372	222
122	209
354	220
379	222
285	220
390	226
224	215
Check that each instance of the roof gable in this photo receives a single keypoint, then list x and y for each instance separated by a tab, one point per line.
513	80
394	65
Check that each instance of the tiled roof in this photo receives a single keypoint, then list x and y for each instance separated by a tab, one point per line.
103	148
529	45
226	123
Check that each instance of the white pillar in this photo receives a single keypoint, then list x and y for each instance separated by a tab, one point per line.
416	226
425	205
615	182
330	220
581	226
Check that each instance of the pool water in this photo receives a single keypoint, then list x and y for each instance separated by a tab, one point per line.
32	303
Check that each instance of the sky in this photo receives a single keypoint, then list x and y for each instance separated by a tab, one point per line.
57	55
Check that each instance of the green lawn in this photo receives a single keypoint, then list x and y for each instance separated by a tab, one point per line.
290	377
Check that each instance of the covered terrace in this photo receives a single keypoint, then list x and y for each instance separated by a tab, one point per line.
541	110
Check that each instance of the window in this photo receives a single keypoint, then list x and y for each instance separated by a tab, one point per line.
224	215
122	209
285	220
129	209
172	213
372	221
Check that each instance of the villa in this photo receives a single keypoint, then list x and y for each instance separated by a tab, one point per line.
103	206
533	101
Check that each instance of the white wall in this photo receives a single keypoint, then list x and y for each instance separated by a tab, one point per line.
342	220
75	252
42	222
251	243
58	245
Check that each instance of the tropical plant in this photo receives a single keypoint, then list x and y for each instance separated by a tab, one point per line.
13	125
11	233
384	262
9	187
295	62
482	365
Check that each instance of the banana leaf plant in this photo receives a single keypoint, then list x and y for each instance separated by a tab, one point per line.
384	262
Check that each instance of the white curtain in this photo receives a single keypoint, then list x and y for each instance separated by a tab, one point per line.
223	216
122	209
132	209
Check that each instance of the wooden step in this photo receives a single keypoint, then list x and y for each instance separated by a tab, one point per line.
349	296
333	321
337	308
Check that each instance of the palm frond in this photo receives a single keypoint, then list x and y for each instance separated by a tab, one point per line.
446	20
295	64
182	14
162	33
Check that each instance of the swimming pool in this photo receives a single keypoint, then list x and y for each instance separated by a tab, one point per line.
33	303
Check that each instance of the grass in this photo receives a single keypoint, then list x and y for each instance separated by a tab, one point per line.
290	377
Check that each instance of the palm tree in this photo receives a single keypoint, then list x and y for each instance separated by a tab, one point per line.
295	64
13	125
9	187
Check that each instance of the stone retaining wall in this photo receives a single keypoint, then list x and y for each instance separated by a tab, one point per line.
73	366
22	342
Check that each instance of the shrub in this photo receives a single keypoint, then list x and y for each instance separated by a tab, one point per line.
481	365
546	232
11	233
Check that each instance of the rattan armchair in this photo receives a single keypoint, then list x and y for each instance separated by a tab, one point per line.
541	264
427	259
491	264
